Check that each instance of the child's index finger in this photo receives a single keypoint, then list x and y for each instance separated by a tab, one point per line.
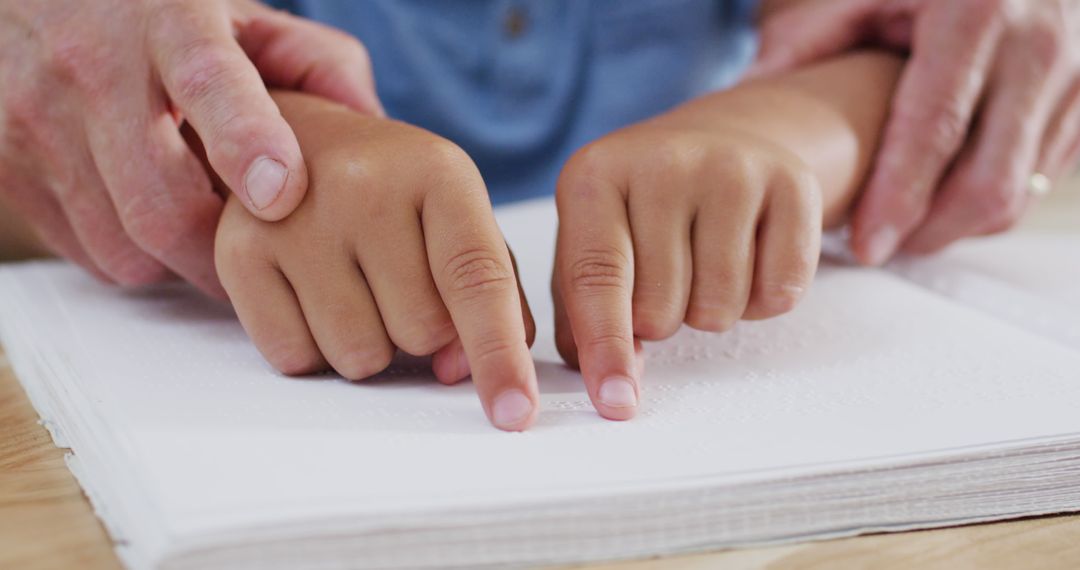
473	272
595	273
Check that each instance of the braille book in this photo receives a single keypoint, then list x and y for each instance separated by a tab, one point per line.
934	392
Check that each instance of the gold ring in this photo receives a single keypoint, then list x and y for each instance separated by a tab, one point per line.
1038	185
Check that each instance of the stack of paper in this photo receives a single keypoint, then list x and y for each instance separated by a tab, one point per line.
879	404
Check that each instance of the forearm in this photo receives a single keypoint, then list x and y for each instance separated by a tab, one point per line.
831	115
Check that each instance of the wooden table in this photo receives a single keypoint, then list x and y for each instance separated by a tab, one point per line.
46	522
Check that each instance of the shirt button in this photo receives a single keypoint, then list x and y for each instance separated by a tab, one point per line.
515	22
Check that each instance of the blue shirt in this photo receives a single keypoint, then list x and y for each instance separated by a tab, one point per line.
520	85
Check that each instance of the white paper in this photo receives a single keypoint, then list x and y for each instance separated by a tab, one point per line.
1028	279
841	417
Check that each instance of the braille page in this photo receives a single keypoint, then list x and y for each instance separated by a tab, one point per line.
1029	279
182	420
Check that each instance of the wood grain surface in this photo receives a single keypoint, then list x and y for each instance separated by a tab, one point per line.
47	523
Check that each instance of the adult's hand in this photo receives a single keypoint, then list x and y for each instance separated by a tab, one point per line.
91	100
990	97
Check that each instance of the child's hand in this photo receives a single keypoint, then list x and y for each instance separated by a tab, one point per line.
663	223
394	246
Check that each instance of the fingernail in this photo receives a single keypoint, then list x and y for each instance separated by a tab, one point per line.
510	408
618	392
882	244
264	181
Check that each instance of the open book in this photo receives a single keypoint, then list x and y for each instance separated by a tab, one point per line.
934	393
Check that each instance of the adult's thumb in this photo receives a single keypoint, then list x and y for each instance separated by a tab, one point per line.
217	89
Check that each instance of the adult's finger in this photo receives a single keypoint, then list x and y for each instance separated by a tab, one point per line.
594	266
297	53
165	201
953	49
810	30
986	192
475	277
1062	135
88	208
219	91
50	224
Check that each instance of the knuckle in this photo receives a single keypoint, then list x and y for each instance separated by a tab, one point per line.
738	177
674	167
598	269
991	199
947	125
357	52
800	178
778	298
22	111
295	358
158	229
477	272
657	319
1002	208
443	155
585	173
448	169
800	185
675	156
716	306
997	202
592	159
780	290
423	336
201	69
239	247
233	129
999	225
130	267
940	125
710	315
365	360
74	61
1046	43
